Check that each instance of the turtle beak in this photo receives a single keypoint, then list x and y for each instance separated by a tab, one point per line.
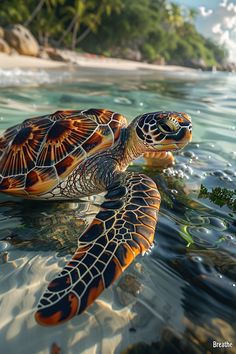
177	141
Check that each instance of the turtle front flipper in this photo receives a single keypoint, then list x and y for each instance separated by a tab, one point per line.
159	159
122	229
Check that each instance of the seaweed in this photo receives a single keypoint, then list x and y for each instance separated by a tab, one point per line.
219	196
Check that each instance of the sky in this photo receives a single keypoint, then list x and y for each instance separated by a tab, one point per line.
216	19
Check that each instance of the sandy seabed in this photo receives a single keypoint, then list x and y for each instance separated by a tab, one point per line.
104	328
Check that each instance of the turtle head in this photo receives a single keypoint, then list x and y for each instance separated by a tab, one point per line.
163	131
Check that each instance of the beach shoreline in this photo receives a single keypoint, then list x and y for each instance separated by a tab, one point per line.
84	61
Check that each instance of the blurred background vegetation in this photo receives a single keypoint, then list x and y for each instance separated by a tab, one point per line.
156	31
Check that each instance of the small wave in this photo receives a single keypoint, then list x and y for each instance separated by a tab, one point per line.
18	77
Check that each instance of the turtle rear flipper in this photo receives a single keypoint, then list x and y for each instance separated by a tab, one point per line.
122	229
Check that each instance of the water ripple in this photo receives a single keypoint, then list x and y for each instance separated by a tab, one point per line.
188	281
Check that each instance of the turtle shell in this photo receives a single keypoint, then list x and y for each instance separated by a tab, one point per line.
40	152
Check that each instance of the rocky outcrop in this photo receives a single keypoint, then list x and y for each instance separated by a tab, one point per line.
43	54
1	32
21	39
127	53
4	47
55	54
64	55
132	54
159	61
231	67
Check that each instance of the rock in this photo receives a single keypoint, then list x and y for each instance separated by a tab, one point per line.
132	54
14	52
21	39
231	67
55	349
159	61
130	284
43	54
128	289
4	47
1	32
55	54
196	63
65	55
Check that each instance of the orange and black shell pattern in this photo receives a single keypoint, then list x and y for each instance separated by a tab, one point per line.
36	155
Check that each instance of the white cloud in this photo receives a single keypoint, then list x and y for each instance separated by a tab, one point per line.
224	3
231	7
204	12
226	40
229	22
217	19
217	28
223	26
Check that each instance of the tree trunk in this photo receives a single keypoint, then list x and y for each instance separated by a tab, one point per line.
74	35
46	39
34	13
83	35
69	28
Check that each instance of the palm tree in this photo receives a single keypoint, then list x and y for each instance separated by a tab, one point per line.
76	13
192	14
93	20
38	8
34	13
86	13
175	17
46	24
14	11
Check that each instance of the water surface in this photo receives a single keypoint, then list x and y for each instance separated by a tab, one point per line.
184	292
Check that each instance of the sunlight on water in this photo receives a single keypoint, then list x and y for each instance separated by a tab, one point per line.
186	288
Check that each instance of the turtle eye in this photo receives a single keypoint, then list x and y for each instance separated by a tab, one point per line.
168	126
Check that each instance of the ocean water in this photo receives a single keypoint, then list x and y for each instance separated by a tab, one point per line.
182	295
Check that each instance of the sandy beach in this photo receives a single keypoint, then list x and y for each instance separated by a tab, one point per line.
25	62
83	61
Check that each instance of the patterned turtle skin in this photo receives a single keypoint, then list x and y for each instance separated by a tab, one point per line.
73	154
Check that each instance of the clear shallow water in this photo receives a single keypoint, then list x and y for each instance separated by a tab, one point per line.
184	292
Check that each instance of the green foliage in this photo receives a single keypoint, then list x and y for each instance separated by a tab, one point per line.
220	196
154	28
149	52
16	11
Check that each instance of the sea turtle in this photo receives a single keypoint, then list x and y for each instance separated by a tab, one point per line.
73	154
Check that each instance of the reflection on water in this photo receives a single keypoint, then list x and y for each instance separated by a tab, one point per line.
180	296
45	226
